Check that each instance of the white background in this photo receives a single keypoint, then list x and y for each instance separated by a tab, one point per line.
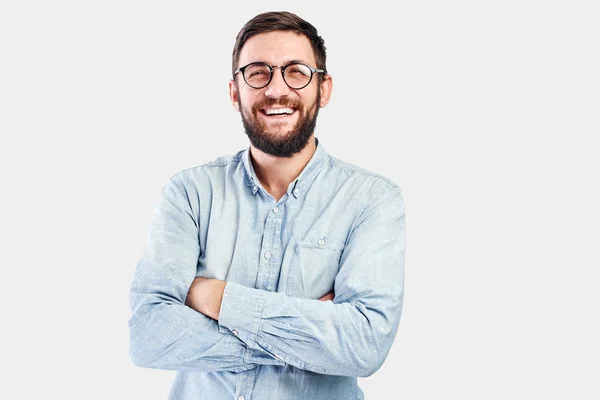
485	113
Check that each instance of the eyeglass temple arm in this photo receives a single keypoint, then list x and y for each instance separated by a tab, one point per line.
277	66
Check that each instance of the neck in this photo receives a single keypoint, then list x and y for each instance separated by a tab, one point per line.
276	173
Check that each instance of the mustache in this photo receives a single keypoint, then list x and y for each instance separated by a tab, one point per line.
280	102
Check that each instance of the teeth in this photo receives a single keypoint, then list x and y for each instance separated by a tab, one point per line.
276	111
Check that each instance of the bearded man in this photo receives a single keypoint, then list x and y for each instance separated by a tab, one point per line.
278	272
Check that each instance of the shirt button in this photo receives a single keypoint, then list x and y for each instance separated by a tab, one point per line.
235	332
296	192
267	255
241	398
276	210
321	242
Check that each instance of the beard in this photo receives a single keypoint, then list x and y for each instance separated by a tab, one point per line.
281	144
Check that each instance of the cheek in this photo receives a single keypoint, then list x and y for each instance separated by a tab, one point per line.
309	103
247	102
311	98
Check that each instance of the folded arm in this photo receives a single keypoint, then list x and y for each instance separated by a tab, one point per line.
351	335
164	332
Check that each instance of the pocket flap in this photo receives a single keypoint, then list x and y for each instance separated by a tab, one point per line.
322	242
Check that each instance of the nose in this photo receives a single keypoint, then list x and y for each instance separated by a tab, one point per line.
277	87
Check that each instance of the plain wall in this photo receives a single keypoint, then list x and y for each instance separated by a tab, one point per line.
486	114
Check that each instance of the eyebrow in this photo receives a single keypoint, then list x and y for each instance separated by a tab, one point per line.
294	61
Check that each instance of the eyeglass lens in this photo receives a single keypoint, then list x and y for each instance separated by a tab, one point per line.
296	76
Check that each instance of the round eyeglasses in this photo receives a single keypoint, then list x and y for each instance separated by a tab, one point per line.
259	74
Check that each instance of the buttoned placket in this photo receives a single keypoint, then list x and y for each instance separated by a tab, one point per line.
267	277
245	383
270	260
269	265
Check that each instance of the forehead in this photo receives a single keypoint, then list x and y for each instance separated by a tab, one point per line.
277	48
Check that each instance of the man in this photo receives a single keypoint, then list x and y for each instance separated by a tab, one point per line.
276	273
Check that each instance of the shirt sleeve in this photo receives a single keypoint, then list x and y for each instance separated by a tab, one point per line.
164	332
353	334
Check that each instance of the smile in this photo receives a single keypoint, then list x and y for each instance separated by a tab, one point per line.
284	111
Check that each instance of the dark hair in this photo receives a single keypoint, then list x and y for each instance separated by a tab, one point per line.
279	21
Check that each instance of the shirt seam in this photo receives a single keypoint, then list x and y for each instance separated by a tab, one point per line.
223	162
335	163
375	202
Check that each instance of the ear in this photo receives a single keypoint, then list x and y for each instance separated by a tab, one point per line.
326	87
234	95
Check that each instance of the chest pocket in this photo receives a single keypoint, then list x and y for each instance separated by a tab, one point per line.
314	266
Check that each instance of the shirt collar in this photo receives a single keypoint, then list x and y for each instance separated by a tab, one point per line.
299	185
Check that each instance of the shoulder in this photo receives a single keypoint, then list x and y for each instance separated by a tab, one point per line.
374	194
364	178
203	174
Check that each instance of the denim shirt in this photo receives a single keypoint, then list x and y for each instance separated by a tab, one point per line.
338	228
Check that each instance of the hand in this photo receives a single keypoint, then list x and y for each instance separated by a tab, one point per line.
328	296
205	296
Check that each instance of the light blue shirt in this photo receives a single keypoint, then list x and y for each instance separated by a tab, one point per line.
338	228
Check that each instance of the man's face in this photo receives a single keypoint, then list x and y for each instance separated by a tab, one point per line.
281	134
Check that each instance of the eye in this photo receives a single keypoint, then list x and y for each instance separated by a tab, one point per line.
257	73
297	71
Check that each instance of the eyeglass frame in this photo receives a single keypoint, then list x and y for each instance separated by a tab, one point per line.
282	68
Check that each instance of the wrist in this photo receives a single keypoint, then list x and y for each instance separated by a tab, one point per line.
212	307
